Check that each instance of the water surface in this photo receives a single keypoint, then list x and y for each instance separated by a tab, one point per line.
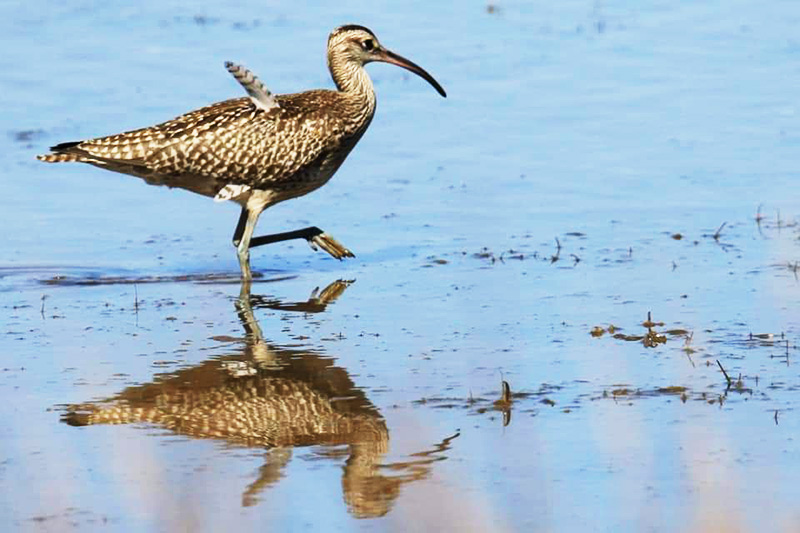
594	164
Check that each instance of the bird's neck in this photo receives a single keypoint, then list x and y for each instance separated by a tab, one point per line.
351	78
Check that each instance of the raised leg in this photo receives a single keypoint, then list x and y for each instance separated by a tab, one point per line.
315	237
237	235
243	240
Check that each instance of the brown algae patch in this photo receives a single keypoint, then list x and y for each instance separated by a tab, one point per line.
650	339
506	402
711	397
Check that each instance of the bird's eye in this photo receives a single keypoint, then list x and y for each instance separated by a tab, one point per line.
368	45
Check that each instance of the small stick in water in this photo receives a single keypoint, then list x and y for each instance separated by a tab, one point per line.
504	402
719	232
727	378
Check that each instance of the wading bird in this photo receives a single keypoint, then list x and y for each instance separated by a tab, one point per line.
259	150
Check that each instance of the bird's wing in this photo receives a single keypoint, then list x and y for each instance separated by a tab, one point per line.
200	151
234	142
138	147
259	93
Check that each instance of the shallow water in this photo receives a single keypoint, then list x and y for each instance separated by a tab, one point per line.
593	164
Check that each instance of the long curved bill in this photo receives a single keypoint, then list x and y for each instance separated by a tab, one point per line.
388	56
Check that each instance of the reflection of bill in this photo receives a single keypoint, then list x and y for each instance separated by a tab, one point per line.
278	398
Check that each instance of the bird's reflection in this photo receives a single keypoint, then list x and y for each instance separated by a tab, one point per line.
277	398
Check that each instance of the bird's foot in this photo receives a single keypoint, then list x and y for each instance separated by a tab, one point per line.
330	293
330	245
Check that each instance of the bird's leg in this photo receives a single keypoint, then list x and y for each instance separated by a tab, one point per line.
315	237
237	235
242	237
270	473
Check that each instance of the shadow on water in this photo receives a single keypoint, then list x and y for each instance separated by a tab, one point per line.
210	278
277	398
13	277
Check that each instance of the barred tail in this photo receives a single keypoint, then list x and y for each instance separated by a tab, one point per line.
62	153
58	158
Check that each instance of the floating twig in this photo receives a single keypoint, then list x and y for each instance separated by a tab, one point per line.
554	258
687	348
727	377
718	233
506	394
504	402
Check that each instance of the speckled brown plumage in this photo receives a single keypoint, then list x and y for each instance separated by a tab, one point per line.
236	142
259	150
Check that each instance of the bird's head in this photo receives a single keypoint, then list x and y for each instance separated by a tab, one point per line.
357	44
